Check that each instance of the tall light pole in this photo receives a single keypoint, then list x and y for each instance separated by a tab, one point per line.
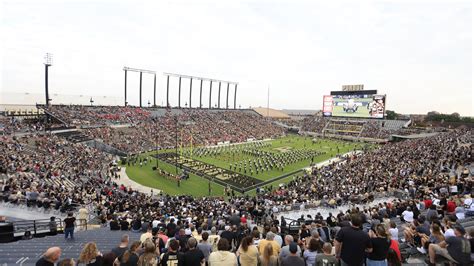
48	61
176	142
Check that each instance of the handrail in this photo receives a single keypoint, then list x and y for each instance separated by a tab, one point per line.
36	227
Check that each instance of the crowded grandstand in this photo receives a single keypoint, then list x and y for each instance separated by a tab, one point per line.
402	192
236	133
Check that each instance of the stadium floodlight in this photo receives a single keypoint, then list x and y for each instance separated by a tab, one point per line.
141	71
48	61
202	79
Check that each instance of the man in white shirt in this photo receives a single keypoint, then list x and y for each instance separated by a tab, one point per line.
407	215
155	223
278	238
393	231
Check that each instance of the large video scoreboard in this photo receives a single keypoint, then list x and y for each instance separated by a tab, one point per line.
363	104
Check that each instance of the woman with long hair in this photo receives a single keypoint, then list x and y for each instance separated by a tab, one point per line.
90	255
248	252
148	258
268	258
130	257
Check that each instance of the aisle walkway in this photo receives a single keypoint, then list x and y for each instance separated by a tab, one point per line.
126	181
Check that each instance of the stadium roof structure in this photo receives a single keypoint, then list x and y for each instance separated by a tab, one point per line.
272	113
299	112
415	136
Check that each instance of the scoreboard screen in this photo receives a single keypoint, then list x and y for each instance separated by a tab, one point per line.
354	105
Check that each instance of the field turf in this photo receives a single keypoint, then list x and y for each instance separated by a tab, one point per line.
198	186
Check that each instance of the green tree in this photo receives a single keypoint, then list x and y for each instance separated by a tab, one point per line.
391	115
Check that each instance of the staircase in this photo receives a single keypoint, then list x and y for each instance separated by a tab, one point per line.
73	135
47	112
27	252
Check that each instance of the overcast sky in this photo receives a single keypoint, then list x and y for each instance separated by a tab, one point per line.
418	53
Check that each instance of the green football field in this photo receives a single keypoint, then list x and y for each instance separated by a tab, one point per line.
199	186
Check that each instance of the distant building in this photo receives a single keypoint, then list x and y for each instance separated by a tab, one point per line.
271	113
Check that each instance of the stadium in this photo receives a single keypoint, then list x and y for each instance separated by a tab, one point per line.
208	182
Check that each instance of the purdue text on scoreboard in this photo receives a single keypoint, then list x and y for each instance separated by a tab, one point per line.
359	87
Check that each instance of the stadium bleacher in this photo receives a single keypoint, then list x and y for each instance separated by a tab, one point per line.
66	174
27	252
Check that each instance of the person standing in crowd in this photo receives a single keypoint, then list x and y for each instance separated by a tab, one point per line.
193	256
277	238
378	247
222	257
123	246
147	235
285	251
326	259
53	226
149	256
131	256
248	252
309	254
83	217
172	257
393	231
50	257
69	224
228	234
171	228
269	239
351	242
90	255
268	258
204	246
162	235
294	258
66	262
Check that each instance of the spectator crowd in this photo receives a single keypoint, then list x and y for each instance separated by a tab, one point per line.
47	171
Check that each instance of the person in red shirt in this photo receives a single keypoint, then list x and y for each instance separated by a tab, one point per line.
428	202
395	247
451	206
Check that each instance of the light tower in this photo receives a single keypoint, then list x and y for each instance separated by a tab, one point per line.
48	61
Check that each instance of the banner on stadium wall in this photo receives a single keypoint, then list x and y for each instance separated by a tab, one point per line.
327	105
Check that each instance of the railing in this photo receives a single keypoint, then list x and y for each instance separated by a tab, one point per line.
11	231
40	227
37	226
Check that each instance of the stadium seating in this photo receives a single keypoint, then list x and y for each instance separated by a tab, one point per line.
54	169
29	251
